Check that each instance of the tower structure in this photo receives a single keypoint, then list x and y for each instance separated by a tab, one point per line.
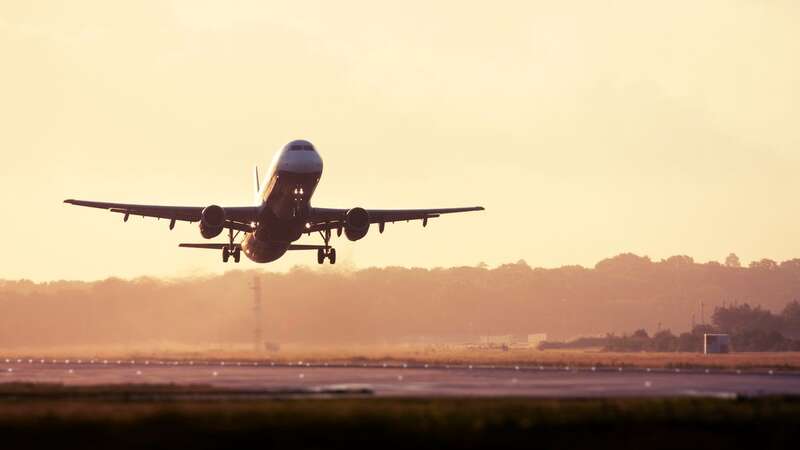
258	340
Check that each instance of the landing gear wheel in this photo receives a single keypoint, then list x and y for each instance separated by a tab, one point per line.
320	256
332	256
237	254
225	254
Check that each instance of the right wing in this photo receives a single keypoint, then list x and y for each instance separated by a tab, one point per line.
237	218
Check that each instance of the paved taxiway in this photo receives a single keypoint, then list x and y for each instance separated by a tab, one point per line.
397	379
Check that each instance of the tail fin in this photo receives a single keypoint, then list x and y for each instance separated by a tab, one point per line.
258	184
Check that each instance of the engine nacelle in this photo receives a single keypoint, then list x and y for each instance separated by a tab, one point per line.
356	223
212	221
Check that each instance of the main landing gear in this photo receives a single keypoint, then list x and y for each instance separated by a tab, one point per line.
231	249
327	252
227	253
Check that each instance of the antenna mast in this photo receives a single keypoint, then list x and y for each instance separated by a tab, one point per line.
257	338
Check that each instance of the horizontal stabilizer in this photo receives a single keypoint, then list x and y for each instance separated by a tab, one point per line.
235	246
209	246
307	247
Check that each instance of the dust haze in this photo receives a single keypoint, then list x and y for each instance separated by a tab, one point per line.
384	305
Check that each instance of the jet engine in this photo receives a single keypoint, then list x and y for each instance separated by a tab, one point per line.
212	221
356	223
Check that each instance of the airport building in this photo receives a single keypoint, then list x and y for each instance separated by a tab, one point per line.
716	343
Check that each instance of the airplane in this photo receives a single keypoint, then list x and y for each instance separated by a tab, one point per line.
281	215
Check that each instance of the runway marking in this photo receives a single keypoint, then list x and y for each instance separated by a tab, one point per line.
404	365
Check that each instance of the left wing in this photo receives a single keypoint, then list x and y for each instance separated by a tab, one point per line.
238	218
330	218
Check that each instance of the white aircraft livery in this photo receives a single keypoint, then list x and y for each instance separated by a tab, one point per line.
282	214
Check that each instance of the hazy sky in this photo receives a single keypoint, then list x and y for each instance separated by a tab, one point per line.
586	128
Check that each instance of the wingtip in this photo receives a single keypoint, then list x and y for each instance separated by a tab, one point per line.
69	200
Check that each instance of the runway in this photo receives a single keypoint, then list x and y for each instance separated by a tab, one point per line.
407	380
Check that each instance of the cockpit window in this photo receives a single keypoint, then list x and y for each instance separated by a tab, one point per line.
301	147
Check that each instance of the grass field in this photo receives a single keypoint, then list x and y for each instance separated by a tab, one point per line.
382	423
443	354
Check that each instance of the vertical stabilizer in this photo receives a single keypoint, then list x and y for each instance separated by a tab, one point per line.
258	184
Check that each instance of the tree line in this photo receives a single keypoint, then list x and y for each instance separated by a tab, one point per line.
395	304
750	329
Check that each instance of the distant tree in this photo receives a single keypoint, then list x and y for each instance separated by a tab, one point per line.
690	342
679	261
764	264
741	318
640	333
761	341
792	264
733	261
791	319
625	262
702	329
665	341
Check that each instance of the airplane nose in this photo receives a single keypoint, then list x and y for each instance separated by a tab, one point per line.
302	162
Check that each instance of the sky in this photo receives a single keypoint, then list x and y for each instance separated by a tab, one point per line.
585	128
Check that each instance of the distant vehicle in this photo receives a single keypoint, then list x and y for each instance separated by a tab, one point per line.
283	213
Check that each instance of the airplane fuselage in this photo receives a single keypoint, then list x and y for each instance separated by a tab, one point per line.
284	201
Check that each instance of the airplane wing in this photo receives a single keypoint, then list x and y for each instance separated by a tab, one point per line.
331	218
237	218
